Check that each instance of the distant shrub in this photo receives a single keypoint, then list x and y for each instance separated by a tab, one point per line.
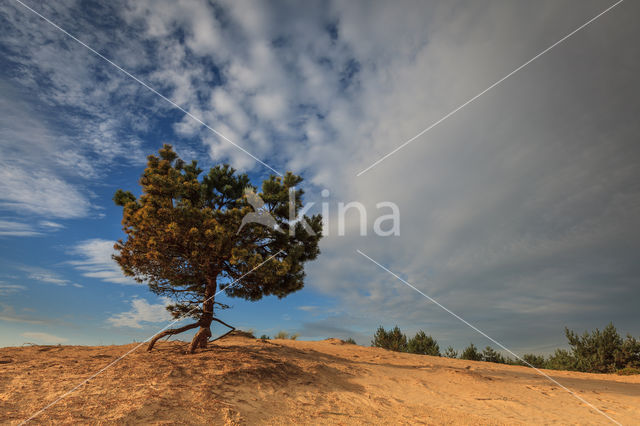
471	353
511	361
491	355
594	352
561	360
603	351
265	337
350	341
450	352
285	335
628	371
533	360
393	340
631	352
282	335
423	344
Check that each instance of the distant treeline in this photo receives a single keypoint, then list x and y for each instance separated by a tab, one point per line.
595	352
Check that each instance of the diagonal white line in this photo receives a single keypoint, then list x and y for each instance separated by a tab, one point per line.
141	343
492	339
151	89
489	88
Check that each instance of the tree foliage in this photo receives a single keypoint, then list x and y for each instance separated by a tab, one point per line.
183	240
561	359
594	352
491	355
393	340
537	361
450	352
603	351
471	353
423	344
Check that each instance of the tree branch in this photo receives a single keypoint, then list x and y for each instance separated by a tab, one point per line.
170	332
225	334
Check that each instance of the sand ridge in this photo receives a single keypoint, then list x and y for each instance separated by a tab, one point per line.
240	380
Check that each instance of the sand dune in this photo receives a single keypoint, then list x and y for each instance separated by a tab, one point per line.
245	381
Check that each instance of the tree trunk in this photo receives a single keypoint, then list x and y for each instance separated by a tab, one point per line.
202	336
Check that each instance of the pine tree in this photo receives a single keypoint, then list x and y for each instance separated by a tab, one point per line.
537	361
471	353
450	352
423	344
183	238
598	351
491	355
393	340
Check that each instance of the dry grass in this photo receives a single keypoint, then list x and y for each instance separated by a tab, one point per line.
244	381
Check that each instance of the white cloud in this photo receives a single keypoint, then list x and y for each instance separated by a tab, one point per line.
76	163
10	228
95	261
48	277
6	289
58	128
29	180
141	312
270	106
30	190
40	337
49	224
40	193
8	313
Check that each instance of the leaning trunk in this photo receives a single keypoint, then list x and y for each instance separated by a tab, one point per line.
202	336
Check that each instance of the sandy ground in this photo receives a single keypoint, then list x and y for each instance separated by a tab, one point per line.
246	381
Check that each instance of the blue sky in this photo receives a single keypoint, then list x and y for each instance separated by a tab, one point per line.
519	212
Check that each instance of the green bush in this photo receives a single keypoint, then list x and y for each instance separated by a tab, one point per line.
393	340
423	344
285	335
603	351
561	360
282	335
598	351
450	352
491	355
265	337
595	352
533	360
471	353
628	371
631	352
350	341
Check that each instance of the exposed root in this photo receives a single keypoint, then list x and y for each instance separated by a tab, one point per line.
225	334
199	341
170	332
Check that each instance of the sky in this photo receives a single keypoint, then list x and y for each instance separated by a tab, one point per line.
520	212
